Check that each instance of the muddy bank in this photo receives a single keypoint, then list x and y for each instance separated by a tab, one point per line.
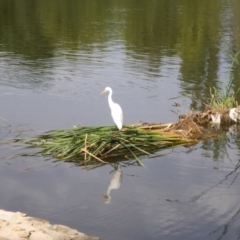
16	226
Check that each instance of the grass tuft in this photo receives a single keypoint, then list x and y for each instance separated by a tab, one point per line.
225	98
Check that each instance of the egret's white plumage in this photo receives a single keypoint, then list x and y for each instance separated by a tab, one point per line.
116	110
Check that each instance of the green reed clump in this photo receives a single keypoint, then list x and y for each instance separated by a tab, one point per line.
87	144
225	98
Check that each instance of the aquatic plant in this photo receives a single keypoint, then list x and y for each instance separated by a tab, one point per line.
223	98
87	145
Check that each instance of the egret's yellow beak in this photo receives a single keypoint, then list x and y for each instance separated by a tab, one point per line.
103	91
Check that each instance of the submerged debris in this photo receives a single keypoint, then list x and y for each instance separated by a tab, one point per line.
234	114
223	117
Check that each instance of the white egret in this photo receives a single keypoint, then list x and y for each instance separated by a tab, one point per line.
116	110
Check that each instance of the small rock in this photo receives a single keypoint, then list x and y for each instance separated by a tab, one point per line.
40	236
21	214
24	234
18	229
3	238
61	228
3	223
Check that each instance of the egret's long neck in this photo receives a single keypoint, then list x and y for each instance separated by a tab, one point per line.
110	101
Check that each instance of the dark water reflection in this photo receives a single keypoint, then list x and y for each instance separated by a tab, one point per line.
55	59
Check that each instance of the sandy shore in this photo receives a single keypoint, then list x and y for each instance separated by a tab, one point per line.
19	226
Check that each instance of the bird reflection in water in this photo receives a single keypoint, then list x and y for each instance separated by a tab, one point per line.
115	183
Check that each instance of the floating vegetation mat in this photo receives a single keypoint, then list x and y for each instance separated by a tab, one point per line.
88	145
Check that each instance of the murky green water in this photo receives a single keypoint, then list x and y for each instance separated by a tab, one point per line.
55	59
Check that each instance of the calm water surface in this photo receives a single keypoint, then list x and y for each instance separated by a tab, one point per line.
55	59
